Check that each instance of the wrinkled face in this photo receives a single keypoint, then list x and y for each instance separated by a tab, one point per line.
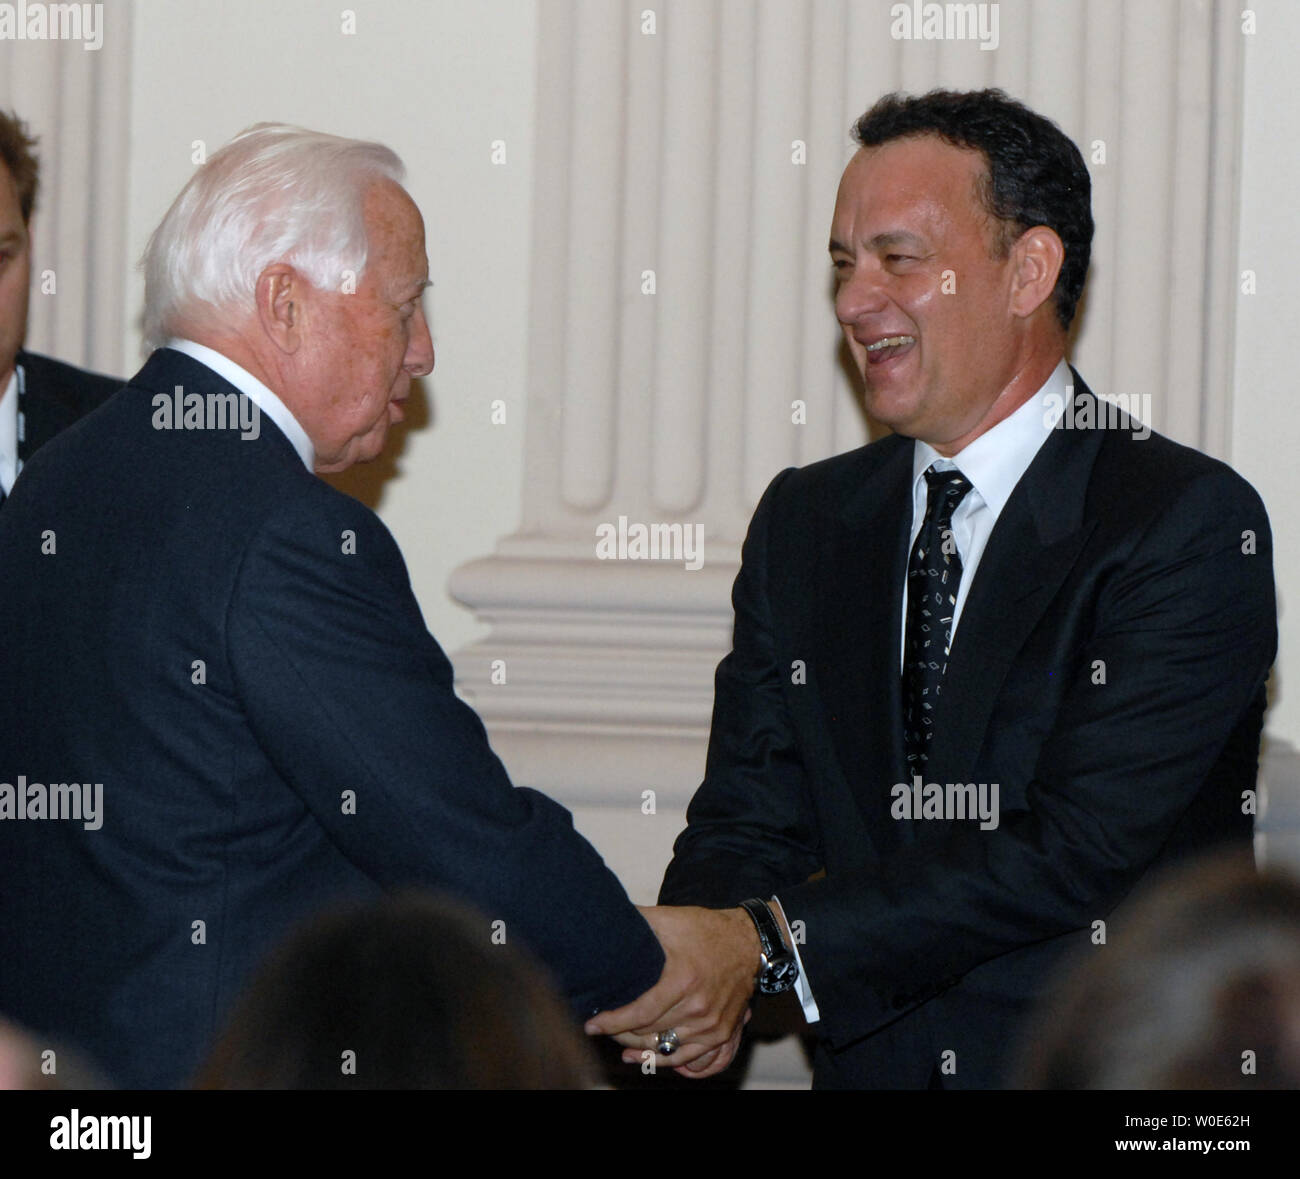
15	271
925	308
360	351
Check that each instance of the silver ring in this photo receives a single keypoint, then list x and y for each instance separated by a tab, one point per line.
666	1043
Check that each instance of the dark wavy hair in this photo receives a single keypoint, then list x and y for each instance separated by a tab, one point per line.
16	154
1034	173
415	986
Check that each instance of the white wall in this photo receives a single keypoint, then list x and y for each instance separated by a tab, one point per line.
437	82
1266	404
1266	384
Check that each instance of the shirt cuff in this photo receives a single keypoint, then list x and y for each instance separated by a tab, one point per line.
801	985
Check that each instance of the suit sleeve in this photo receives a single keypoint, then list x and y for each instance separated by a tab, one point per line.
750	826
345	689
1186	627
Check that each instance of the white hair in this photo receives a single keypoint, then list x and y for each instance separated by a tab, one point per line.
274	193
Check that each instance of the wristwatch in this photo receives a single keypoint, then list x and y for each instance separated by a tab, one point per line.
777	969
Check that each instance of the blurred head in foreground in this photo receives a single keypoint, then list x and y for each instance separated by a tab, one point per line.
410	992
29	1063
1198	989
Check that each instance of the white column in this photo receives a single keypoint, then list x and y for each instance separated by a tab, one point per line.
75	99
707	150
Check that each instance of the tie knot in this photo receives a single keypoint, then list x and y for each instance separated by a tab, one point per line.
947	489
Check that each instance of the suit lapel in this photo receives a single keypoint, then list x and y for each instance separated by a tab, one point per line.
45	412
1032	547
861	601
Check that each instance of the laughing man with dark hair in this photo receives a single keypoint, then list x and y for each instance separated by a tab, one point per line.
1084	617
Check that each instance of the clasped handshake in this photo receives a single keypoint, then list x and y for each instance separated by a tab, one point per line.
692	1018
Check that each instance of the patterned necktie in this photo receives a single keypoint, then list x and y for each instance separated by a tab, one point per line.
933	578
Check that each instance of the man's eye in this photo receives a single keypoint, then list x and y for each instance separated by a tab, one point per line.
899	258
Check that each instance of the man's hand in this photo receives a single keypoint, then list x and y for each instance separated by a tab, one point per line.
712	957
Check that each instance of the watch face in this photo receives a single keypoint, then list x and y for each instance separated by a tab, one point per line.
779	975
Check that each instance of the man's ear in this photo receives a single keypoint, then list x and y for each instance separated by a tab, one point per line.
279	306
1037	257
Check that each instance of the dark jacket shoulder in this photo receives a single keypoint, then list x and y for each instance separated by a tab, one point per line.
55	396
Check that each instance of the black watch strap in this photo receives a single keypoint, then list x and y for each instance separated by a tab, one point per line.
778	969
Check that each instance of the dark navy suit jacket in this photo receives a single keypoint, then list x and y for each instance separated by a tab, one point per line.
1107	672
233	649
57	394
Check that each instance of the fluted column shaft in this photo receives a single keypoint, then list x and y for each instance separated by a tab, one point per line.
683	342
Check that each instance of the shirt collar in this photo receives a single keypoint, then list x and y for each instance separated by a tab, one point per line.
995	461
255	391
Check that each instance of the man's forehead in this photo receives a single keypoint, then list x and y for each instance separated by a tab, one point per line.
920	175
387	205
396	233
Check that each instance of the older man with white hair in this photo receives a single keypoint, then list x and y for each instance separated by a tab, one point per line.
228	650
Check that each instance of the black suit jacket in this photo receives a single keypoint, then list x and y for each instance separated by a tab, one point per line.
56	395
1137	560
233	649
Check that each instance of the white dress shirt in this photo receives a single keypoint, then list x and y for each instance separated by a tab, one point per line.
9	434
256	392
993	464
